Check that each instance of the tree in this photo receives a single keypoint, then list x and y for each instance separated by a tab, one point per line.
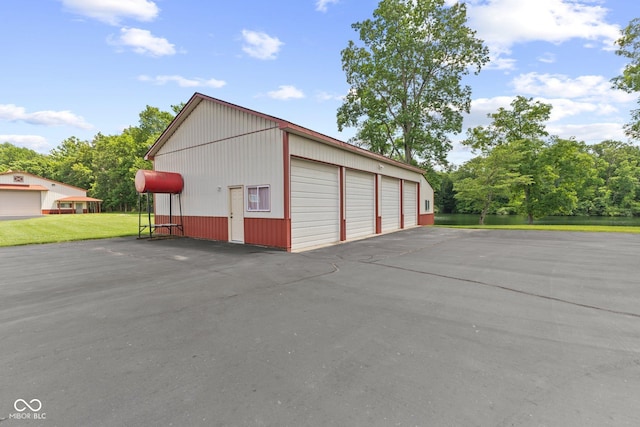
117	158
521	128
617	188
24	159
490	176
566	175
152	123
72	163
405	92
629	81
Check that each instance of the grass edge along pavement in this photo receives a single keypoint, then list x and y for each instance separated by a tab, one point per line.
543	227
67	228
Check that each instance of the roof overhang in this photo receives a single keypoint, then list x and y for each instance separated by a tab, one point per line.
22	187
78	199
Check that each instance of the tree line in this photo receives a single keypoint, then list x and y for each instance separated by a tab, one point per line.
520	169
105	166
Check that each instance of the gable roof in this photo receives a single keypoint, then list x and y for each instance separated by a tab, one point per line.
284	125
40	177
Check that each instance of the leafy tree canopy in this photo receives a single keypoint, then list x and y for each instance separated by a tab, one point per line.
405	79
629	81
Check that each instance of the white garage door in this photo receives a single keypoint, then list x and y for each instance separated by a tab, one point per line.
390	204
360	204
20	203
315	204
410	204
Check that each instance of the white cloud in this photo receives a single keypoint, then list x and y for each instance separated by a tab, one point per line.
547	58
321	5
591	87
591	133
504	23
286	92
183	82
260	45
143	42
113	11
13	113
34	142
326	96
481	107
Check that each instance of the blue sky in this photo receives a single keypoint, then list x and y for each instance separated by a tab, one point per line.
79	67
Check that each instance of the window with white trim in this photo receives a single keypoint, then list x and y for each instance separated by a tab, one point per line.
258	198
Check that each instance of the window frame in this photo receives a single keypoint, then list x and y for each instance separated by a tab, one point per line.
257	188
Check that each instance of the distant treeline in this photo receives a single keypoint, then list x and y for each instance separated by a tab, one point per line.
579	179
105	166
520	169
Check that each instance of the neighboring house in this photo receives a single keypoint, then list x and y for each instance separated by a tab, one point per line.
257	179
25	194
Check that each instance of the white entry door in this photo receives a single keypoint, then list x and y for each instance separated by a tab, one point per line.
236	215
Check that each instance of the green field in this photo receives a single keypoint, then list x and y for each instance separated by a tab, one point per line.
65	228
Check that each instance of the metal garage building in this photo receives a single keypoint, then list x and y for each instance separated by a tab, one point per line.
25	194
256	179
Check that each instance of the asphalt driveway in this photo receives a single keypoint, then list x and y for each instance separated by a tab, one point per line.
426	327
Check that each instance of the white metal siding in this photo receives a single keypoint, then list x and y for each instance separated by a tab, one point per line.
410	204
390	204
307	148
20	203
217	148
359	204
304	147
315	204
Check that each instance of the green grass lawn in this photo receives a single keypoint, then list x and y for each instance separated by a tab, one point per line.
544	227
65	228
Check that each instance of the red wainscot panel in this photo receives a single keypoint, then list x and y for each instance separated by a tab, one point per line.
270	232
426	219
199	227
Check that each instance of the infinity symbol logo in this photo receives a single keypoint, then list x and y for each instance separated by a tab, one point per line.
21	405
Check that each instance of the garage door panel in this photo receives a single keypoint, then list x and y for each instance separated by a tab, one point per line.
360	204
20	203
315	204
410	204
390	204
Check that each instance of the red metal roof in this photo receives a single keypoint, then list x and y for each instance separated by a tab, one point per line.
22	187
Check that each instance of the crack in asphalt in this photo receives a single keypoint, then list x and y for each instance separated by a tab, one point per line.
509	289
